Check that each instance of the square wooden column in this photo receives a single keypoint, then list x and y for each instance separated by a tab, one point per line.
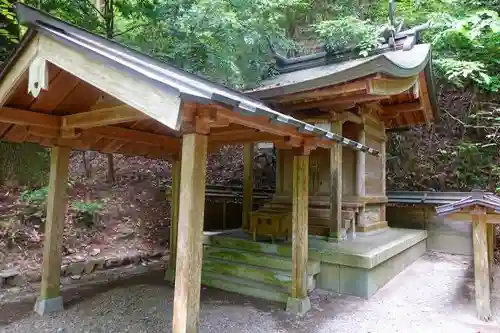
481	263
50	299
299	302
337	231
361	174
279	171
383	156
174	219
247	184
190	234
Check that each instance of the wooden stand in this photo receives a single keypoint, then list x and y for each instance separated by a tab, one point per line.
189	239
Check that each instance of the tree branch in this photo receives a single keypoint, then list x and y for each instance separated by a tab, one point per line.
129	29
468	125
94	7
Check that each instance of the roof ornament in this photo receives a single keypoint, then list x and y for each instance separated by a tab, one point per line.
38	78
391	30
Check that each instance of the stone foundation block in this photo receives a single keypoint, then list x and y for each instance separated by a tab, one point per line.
48	306
298	306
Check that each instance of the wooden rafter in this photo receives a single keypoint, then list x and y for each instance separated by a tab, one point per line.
102	117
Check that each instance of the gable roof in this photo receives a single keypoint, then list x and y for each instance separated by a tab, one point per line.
187	86
478	198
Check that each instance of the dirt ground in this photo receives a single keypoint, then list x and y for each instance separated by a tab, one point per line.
431	295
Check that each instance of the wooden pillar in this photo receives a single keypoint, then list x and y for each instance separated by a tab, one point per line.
174	221
50	299
490	229
383	156
279	171
190	234
299	302
481	266
247	184
337	232
361	174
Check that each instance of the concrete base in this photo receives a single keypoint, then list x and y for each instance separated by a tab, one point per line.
362	266
298	306
48	306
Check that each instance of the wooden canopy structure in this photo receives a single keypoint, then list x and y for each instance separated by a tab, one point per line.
483	210
66	88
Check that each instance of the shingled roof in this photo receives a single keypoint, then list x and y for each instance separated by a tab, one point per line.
478	198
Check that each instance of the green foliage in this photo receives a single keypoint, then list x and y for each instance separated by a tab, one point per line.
36	196
90	207
86	212
23	164
36	211
348	33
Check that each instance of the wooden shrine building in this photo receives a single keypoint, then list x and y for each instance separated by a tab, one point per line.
66	88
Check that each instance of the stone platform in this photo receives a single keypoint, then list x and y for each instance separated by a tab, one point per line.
357	266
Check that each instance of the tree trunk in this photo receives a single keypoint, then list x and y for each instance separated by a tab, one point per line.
86	165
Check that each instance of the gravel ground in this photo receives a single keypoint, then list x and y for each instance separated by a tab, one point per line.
429	296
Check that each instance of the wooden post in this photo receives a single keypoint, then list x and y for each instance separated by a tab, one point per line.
481	269
299	302
383	156
491	250
247	184
190	234
361	175
174	221
337	232
50	299
279	171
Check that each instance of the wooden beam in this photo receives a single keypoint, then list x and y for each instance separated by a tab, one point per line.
332	103
120	133
390	86
361	174
28	118
349	116
247	184
329	92
336	230
465	216
12	79
261	123
424	99
390	111
139	93
102	117
174	221
481	266
50	296
299	302
190	234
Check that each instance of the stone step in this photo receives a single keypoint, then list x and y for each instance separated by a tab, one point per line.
241	244
263	275
244	287
257	259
